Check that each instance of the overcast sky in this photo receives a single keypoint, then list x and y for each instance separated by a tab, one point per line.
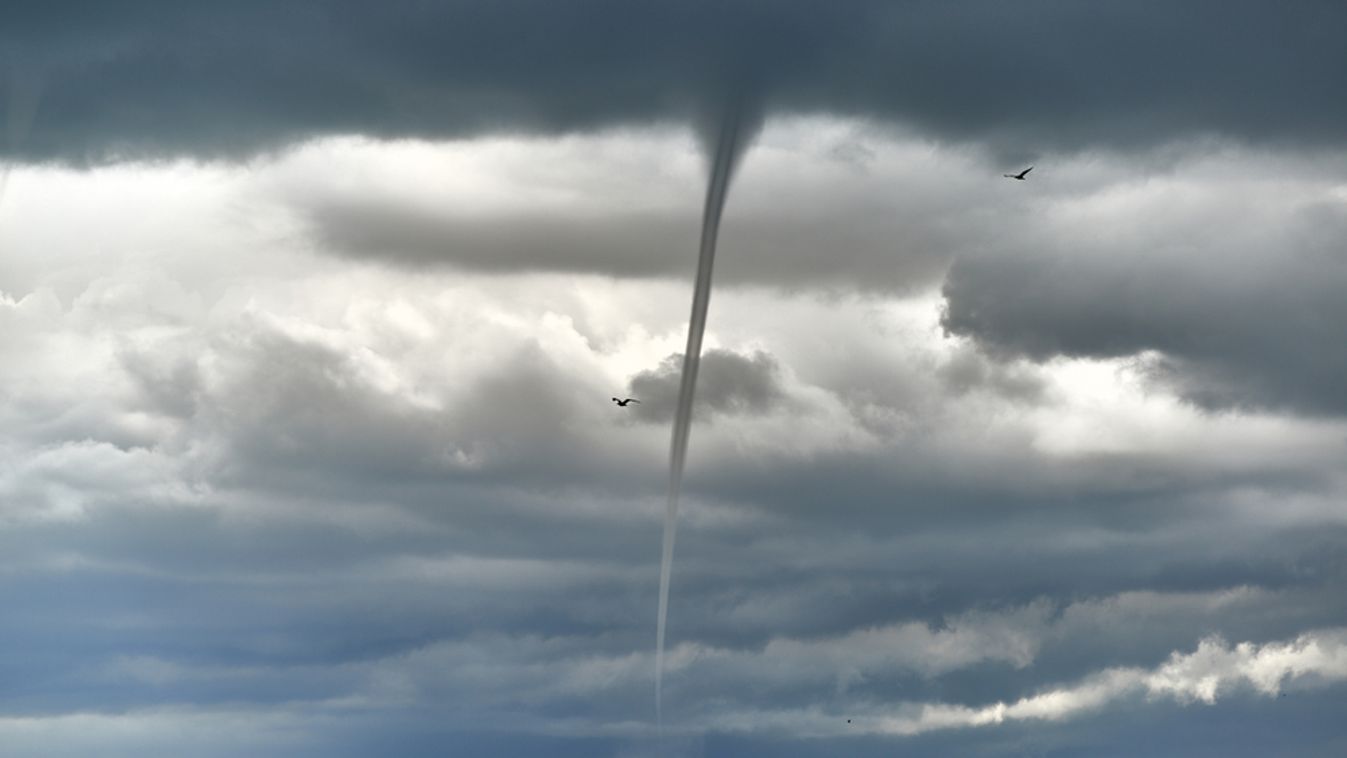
310	314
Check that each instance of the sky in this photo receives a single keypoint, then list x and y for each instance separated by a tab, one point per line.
311	313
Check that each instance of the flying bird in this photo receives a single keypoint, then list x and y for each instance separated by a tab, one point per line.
1020	175
623	403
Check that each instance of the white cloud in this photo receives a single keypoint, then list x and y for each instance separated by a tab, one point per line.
1213	670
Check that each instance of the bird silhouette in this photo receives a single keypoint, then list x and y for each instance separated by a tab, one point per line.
1020	175
623	403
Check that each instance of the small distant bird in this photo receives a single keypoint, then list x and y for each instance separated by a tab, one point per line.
1020	175
848	721
623	403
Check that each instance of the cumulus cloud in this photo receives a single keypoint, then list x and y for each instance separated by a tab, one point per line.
729	384
1233	286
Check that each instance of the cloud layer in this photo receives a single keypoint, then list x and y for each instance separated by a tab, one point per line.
309	451
160	78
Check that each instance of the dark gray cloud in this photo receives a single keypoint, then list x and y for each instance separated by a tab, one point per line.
624	205
161	78
867	244
626	245
729	384
1242	316
969	371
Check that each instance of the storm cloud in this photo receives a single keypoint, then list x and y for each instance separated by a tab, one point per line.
310	317
154	79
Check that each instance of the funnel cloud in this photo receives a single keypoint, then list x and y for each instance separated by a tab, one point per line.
737	128
311	313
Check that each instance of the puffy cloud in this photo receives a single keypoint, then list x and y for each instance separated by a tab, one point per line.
1228	285
729	383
